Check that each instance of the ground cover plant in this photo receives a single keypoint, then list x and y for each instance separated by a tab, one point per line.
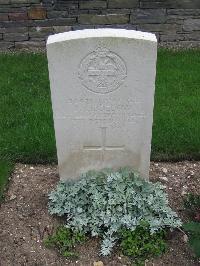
5	170
106	202
26	121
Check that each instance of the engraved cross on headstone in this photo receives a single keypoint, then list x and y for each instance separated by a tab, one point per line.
103	146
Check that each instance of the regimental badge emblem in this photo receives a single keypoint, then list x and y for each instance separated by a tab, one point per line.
102	71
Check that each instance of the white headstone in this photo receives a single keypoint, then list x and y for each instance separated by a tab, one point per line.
102	88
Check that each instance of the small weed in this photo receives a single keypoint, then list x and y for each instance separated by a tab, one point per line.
192	206
193	230
64	239
140	244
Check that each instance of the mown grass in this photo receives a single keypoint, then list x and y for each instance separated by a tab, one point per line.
5	170
176	128
26	123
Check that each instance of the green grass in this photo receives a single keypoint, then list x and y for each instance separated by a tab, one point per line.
26	123
5	170
176	128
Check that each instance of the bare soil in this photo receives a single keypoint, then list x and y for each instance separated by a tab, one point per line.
25	222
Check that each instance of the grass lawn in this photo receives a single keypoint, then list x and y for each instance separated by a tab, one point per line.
26	123
5	170
176	128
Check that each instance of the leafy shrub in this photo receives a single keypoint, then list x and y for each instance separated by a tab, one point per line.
193	229
64	240
141	244
102	203
192	205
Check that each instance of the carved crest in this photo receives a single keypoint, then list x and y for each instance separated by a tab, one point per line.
102	71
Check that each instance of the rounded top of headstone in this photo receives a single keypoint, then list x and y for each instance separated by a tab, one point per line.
97	33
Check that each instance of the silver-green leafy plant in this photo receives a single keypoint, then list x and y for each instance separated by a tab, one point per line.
102	203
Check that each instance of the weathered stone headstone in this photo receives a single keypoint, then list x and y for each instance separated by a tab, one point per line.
102	89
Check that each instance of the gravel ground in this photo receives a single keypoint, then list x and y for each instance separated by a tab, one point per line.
25	222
